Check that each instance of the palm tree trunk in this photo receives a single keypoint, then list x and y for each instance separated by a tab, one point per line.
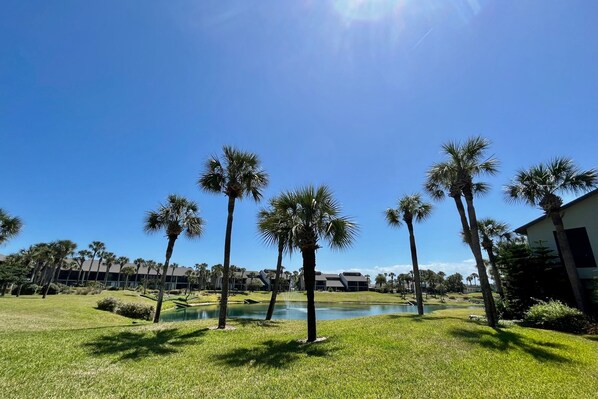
309	274
90	267
226	266
98	269
474	244
54	274
495	273
416	276
126	282
68	276
169	249
276	281
106	275
569	262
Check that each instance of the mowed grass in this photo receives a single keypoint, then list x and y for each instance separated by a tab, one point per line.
441	355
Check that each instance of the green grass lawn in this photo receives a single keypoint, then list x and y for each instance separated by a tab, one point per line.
70	350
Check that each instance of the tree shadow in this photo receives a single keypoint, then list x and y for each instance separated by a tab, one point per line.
256	323
133	345
272	354
503	340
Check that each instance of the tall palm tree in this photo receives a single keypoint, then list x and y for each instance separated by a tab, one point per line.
178	215
109	260
392	280
314	215
455	177
60	251
237	175
274	226
489	230
138	263
122	261
10	226
96	247
128	271
410	208
150	265
80	259
541	185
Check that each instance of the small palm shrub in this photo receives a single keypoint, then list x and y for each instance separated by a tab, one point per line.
53	289
136	311
555	315
87	291
109	304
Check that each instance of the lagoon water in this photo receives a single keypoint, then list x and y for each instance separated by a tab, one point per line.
294	311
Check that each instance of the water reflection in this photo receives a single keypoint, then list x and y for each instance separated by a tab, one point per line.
294	311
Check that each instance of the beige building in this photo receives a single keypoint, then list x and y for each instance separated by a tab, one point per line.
580	218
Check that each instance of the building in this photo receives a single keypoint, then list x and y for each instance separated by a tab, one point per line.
354	281
333	282
580	218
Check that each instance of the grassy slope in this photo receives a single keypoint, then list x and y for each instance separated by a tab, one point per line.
442	355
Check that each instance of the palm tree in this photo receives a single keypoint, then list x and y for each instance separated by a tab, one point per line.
150	265
314	214
236	175
455	178
122	261
392	279
274	226
541	185
380	279
138	263
469	279
128	271
178	215
410	208
109	260
173	267
475	277
60	251
489	229
10	226
80	259
189	273
96	247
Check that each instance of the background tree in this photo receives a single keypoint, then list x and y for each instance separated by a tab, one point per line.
178	215
151	266
411	208
314	215
13	270
96	247
80	259
109	261
10	226
60	251
138	263
455	178
275	229
128	271
490	230
454	283
541	185
122	262
237	175
380	280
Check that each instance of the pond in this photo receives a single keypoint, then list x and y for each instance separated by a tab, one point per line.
294	311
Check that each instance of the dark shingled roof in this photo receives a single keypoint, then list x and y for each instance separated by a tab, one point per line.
353	276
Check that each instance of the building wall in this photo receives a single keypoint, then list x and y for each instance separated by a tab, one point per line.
581	214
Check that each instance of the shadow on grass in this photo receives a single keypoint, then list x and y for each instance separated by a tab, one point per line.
418	318
272	354
256	323
503	340
134	345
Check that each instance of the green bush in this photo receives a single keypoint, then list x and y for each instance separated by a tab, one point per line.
136	311
53	289
26	289
113	288
87	291
555	315
110	304
174	292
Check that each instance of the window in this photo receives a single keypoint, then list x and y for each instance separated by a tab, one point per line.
580	246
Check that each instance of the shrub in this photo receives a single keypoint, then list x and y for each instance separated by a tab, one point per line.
113	288
174	292
555	315
87	291
110	304
26	289
53	289
136	311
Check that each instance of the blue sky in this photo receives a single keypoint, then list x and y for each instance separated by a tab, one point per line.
107	107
